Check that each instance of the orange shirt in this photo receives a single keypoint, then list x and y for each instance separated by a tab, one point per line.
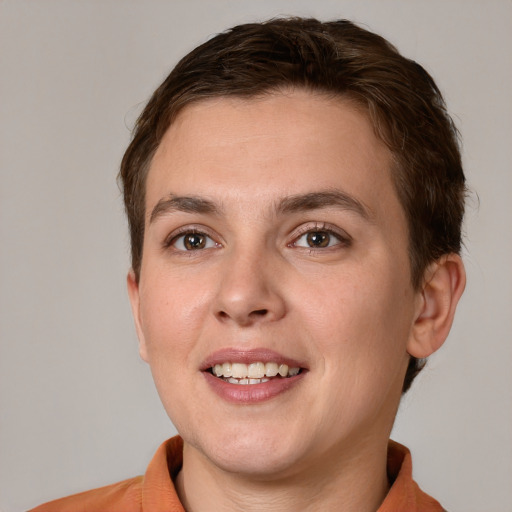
155	492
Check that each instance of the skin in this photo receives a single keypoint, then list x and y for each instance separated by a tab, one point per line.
347	311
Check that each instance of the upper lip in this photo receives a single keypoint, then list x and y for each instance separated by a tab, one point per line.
247	356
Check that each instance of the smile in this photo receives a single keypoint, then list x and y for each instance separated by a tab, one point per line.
251	376
252	373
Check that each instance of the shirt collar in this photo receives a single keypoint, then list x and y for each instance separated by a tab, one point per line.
159	494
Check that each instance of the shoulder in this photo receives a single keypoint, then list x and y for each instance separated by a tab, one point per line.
125	496
155	487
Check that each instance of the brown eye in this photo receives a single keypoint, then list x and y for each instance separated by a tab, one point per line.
321	239
192	241
318	239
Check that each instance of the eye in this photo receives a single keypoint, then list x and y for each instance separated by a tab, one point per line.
192	241
319	239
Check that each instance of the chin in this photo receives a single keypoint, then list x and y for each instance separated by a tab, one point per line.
256	463
258	454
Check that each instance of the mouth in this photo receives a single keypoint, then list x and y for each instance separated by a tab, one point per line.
251	376
253	373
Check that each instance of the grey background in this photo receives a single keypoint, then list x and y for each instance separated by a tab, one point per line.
78	407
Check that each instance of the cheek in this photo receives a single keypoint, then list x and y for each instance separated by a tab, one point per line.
171	313
363	325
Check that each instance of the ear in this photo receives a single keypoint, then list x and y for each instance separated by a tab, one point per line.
443	284
134	295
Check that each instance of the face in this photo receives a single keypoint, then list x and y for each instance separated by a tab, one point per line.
274	243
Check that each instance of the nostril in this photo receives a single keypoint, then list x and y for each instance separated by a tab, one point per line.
244	319
260	312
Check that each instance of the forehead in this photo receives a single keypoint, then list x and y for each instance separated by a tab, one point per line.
269	147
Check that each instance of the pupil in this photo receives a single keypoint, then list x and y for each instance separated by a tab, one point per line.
194	241
318	239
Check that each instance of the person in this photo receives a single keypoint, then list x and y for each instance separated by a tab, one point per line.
295	194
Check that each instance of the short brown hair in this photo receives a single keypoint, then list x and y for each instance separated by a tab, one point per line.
337	58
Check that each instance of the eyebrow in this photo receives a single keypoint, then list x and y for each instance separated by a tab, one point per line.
324	199
290	204
187	204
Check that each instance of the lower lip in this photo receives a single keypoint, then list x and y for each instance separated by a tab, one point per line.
251	393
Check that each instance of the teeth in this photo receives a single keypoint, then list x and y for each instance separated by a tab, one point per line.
254	373
271	369
226	370
239	370
256	370
293	371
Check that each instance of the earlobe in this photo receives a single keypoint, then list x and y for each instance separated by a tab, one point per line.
133	293
444	283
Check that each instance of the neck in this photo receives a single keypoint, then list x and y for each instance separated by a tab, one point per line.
353	480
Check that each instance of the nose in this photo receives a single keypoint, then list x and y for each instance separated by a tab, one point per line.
249	290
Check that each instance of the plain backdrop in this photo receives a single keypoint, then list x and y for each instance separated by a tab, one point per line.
78	407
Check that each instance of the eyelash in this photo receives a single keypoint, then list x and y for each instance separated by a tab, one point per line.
173	238
343	238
